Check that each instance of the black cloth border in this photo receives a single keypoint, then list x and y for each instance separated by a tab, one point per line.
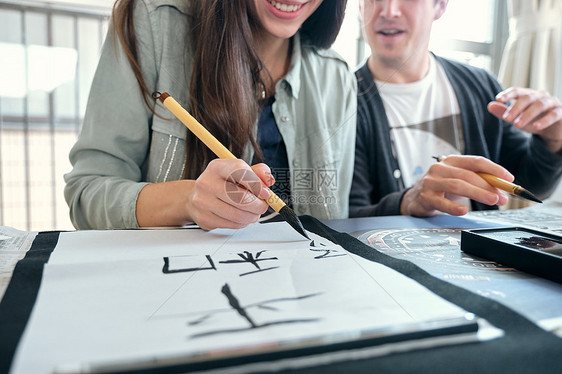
21	293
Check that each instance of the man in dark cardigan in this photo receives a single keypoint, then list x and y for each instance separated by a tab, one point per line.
413	105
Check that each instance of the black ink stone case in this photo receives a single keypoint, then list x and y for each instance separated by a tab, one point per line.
528	250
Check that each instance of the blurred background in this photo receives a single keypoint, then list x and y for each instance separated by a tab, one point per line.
49	51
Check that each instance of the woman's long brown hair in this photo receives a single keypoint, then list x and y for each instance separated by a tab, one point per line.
226	79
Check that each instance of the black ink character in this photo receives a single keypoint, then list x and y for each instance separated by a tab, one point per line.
327	252
248	257
243	311
166	268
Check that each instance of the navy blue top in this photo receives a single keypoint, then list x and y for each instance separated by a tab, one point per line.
274	151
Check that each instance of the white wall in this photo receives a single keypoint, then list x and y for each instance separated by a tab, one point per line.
557	196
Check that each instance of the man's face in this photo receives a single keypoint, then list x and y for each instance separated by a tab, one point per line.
397	30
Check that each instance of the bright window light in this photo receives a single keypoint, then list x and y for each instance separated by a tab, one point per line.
47	68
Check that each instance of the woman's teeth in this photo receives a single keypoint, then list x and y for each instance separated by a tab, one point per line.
285	7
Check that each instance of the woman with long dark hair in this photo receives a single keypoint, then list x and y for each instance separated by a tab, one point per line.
257	74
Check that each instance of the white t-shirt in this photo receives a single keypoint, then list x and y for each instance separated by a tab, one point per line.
424	119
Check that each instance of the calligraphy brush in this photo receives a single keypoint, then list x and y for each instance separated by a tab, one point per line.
221	151
503	185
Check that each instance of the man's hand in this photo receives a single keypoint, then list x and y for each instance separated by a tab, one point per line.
536	112
454	177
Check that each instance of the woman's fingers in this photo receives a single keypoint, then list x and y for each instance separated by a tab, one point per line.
228	194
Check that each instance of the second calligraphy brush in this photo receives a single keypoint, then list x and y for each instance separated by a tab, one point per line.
503	185
222	152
